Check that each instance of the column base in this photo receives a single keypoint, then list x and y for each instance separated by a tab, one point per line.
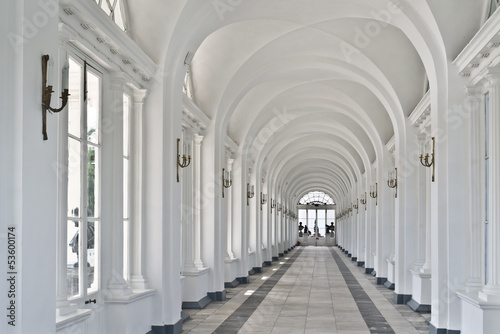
434	330
368	270
202	303
217	296
401	299
232	284
380	280
257	269
167	329
421	308
243	280
281	254
389	285
349	254
360	263
251	272
286	252
276	258
267	263
354	258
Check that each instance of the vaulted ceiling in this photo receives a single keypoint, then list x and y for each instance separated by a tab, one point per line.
323	79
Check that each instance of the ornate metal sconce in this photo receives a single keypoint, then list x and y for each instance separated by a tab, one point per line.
226	180
374	193
273	204
47	93
263	199
185	160
363	201
279	207
424	160
392	181
356	206
250	193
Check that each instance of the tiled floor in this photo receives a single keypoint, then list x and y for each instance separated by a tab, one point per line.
309	291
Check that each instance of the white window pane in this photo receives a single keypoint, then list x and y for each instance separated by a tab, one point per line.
92	248
93	106
72	253
74	178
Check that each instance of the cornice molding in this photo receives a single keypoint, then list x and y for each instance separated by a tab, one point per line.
94	30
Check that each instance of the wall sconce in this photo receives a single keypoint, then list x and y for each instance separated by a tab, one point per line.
263	199
363	201
185	160
47	92
356	206
273	204
374	193
226	180
392	181
279	207
250	192
424	160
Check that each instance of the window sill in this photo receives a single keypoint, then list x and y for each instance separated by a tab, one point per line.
75	317
134	296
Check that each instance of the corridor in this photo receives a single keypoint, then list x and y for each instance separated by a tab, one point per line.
310	290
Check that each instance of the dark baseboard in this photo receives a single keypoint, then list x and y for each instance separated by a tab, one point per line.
421	308
380	280
251	272
368	270
434	330
275	258
361	263
243	280
232	284
197	305
168	329
281	254
267	263
257	269
354	258
389	285
217	296
401	299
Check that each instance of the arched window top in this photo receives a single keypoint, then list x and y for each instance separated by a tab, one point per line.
114	9
316	197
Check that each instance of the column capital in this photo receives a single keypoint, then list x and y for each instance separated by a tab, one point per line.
493	76
197	139
139	95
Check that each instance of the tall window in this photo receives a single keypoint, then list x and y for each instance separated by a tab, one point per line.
126	184
317	217
83	179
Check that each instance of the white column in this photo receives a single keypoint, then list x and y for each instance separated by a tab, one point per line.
113	149
229	213
424	235
491	291
196	160
137	279
187	212
476	204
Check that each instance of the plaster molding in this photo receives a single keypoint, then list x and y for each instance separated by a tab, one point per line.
481	51
422	112
97	33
